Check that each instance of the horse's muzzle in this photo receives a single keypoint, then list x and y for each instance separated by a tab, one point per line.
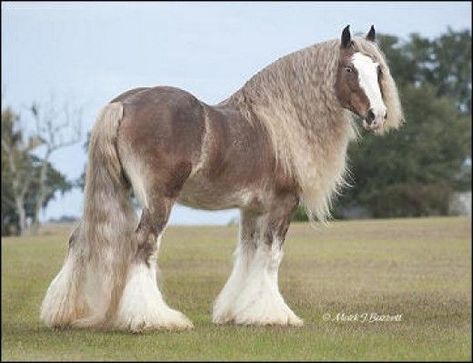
373	122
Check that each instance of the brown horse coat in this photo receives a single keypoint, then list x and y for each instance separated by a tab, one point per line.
279	140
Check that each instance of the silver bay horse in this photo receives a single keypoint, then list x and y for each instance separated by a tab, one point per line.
279	141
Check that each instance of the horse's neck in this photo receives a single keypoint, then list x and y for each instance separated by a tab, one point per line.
298	121
300	85
294	100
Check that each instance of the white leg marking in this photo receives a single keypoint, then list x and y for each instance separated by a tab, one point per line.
252	297
142	306
224	304
62	305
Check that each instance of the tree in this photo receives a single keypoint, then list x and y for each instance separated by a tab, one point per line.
56	181
16	168
54	136
452	68
29	181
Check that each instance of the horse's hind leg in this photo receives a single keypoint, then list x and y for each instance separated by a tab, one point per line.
142	306
63	303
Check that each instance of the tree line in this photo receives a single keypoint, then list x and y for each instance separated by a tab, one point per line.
413	171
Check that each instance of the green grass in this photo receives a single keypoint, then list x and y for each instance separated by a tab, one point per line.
419	268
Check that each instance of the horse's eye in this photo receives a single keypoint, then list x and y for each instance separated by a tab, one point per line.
348	69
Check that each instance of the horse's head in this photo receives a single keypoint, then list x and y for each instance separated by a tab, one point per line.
358	82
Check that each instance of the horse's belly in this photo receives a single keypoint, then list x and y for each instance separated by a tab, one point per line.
203	194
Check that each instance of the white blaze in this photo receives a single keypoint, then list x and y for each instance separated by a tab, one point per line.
368	80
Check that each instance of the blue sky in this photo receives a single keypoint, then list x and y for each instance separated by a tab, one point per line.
87	53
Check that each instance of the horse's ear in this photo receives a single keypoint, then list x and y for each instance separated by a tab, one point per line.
371	36
346	37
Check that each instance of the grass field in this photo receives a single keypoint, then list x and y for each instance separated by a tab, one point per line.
419	268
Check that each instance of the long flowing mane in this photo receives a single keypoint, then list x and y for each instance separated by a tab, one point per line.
294	99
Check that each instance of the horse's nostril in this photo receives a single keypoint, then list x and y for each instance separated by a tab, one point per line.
370	116
385	115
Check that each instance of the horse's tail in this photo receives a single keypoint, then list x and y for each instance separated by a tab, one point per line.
87	289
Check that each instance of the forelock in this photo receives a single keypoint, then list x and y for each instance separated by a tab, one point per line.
370	50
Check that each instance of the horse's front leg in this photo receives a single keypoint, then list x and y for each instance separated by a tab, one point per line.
224	307
251	295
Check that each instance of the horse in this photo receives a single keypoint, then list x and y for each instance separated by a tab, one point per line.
280	141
